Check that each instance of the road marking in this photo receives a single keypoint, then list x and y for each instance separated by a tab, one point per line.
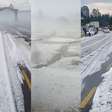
87	100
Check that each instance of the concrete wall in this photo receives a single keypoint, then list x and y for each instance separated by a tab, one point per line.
24	18
21	19
7	16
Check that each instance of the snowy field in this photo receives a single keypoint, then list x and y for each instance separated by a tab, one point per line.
96	60
55	68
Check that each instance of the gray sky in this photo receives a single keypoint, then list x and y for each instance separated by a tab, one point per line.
105	6
95	1
56	7
21	4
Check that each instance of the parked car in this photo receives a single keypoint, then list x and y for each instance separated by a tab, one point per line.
110	28
106	30
92	31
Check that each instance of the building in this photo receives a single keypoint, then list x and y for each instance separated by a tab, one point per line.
8	15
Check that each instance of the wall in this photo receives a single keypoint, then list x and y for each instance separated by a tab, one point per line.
7	17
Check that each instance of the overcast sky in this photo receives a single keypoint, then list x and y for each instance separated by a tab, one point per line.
56	7
21	4
105	6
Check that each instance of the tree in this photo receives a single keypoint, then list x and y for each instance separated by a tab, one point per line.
95	13
105	20
110	20
85	12
84	15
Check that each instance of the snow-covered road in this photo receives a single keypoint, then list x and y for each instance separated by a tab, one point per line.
6	96
92	51
56	74
96	59
14	55
94	43
102	101
13	51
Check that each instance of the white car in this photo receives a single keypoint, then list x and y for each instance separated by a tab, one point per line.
92	31
106	30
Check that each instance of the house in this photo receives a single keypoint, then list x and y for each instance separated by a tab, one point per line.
8	15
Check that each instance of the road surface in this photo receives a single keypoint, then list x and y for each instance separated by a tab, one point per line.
6	96
56	74
96	58
16	97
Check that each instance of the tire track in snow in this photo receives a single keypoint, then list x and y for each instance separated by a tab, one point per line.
94	57
62	52
55	58
88	49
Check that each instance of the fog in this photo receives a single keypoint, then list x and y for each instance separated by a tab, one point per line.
56	7
9	18
56	16
55	55
19	4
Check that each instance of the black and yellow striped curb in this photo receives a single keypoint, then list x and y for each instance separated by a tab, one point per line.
88	99
25	78
26	75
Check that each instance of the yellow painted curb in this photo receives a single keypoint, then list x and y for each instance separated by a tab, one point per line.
87	100
26	79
